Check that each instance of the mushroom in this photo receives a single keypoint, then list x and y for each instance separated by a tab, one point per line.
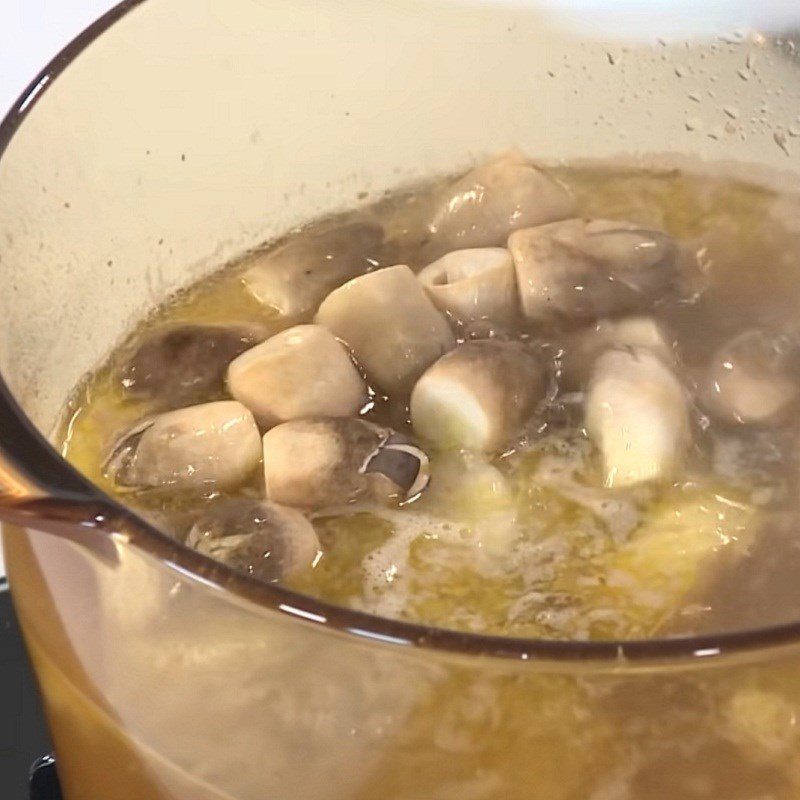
477	396
501	195
390	324
581	269
213	445
583	347
301	372
314	463
255	537
636	414
293	279
753	378
473	284
187	364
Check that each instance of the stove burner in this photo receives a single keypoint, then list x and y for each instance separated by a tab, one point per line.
44	780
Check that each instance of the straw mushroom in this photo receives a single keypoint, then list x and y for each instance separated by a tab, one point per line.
294	278
581	269
478	396
473	284
209	446
314	463
255	537
185	364
753	379
301	372
390	324
636	413
501	195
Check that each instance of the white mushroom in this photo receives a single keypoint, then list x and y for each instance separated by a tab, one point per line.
504	194
473	284
584	269
637	416
314	463
255	537
753	379
181	365
294	278
477	396
213	445
301	372
583	347
390	324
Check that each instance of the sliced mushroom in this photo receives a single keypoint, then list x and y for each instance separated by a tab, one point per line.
473	284
255	537
213	445
183	365
390	324
753	379
637	416
583	347
504	194
477	396
581	269
301	372
315	463
293	279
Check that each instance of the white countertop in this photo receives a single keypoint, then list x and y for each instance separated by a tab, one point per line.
31	33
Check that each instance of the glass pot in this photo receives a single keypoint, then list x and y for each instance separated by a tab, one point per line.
170	136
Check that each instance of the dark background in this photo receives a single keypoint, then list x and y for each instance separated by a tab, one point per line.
23	736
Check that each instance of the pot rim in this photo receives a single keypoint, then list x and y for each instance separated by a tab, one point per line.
89	507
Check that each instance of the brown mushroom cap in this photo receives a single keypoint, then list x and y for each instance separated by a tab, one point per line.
389	323
581	269
256	537
212	445
477	396
301	372
501	195
314	463
294	278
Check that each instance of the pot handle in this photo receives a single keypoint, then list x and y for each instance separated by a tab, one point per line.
38	488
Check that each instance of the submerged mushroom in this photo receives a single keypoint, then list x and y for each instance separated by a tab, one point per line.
294	278
390	324
583	347
473	284
213	445
186	364
477	396
581	269
753	378
637	415
501	195
314	463
301	372
255	537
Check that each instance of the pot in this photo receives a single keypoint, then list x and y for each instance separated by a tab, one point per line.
171	136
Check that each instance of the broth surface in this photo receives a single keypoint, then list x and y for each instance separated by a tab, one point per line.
528	541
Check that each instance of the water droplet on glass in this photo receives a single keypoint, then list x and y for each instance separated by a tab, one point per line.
693	96
680	71
781	140
694	124
716	132
731	111
743	74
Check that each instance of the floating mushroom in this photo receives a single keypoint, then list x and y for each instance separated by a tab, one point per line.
583	347
314	463
501	195
473	284
753	379
255	537
301	372
637	416
294	278
581	269
390	324
182	365
213	445
477	396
